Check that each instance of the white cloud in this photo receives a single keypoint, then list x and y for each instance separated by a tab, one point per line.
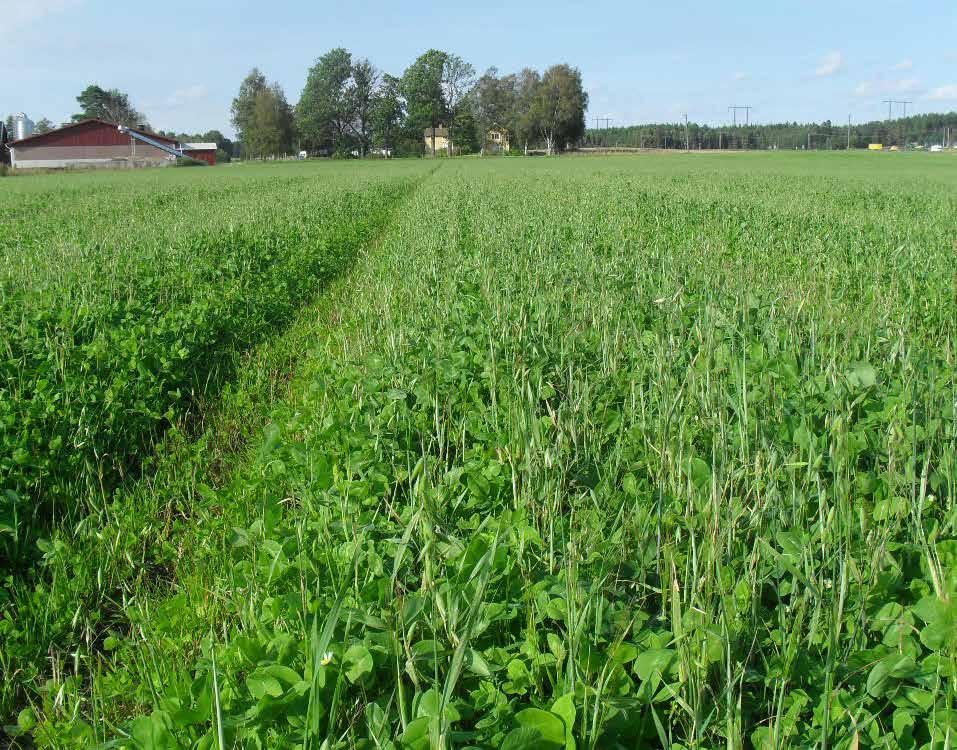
879	86
21	13
944	93
830	64
186	95
741	76
907	64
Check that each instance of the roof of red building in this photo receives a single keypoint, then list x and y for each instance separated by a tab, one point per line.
92	120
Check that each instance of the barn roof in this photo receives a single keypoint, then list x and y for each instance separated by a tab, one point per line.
92	120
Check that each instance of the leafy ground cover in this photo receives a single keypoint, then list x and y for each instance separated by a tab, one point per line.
584	453
122	298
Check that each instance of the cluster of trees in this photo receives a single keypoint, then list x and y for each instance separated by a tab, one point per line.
535	108
925	129
262	116
348	106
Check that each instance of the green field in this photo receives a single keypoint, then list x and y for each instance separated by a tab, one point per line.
582	452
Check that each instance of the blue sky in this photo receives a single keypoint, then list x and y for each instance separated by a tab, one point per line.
803	60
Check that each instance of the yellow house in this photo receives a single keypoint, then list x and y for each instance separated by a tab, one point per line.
496	141
441	143
875	146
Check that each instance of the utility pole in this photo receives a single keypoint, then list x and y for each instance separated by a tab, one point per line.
848	132
607	121
890	104
747	113
687	134
734	116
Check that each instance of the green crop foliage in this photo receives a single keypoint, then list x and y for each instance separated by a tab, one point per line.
579	453
120	301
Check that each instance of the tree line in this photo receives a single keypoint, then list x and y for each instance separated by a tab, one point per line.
350	107
923	129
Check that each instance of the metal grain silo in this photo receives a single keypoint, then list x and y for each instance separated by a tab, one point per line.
23	126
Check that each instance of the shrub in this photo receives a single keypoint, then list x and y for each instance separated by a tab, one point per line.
188	161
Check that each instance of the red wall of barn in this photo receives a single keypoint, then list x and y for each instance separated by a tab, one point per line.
207	156
90	134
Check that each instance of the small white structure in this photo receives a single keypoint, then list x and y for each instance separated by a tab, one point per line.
935	148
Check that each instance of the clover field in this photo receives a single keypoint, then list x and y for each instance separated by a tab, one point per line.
584	452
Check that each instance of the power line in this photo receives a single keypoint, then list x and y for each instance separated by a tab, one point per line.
890	107
734	113
607	121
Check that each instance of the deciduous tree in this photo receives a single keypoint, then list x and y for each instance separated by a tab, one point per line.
558	105
422	88
324	112
270	131
458	78
362	94
388	112
243	108
526	85
493	102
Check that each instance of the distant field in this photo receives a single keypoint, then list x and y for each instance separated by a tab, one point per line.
591	451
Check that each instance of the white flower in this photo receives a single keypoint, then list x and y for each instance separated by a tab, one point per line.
326	658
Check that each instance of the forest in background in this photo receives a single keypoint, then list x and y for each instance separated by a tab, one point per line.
924	130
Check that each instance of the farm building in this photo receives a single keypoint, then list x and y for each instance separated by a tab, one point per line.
4	141
97	143
203	151
441	143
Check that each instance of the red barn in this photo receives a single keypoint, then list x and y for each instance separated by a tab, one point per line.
93	143
203	151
